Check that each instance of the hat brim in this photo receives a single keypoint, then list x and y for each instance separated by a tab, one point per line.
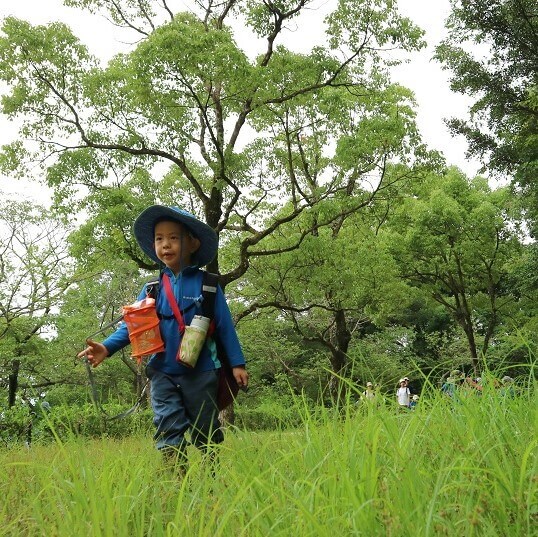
144	231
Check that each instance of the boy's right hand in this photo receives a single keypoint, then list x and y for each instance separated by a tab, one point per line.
95	352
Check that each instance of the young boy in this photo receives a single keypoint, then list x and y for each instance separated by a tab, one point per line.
182	398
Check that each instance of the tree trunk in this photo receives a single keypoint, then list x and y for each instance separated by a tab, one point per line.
13	382
339	356
465	321
472	350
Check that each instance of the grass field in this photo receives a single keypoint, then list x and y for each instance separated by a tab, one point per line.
446	468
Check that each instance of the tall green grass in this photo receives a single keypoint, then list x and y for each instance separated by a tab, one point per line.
447	468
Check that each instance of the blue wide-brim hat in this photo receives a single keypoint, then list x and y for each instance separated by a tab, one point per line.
144	232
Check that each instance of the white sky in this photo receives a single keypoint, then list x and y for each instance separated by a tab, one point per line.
422	75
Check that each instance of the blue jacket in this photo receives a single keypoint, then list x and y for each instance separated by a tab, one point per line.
187	288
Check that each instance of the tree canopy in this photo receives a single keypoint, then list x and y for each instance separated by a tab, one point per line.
492	51
457	239
188	117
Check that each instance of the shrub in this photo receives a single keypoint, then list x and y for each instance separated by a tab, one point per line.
21	424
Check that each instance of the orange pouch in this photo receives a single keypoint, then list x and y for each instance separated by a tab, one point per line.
143	327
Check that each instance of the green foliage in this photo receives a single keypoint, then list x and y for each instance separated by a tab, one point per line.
35	271
279	361
375	24
382	357
339	280
130	10
272	413
188	52
491	50
44	51
63	423
455	241
183	96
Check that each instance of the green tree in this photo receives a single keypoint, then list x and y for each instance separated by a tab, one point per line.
35	272
340	283
188	117
456	239
492	50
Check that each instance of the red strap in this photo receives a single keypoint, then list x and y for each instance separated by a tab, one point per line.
173	304
211	328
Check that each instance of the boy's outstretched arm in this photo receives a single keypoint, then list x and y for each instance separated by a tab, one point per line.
95	352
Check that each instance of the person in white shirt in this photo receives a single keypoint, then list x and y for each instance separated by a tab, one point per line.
369	393
403	394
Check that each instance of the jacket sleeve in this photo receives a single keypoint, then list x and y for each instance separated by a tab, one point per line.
225	331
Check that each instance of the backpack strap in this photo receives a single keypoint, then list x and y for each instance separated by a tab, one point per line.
209	292
152	288
173	304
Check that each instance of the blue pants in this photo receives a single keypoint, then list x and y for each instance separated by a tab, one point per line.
184	403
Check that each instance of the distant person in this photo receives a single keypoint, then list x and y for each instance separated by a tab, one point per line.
369	393
507	386
403	394
408	384
473	385
453	381
183	398
414	401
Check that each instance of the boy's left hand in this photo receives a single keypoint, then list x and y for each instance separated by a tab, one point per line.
241	376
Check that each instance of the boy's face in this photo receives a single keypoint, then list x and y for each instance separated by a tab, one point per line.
174	246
